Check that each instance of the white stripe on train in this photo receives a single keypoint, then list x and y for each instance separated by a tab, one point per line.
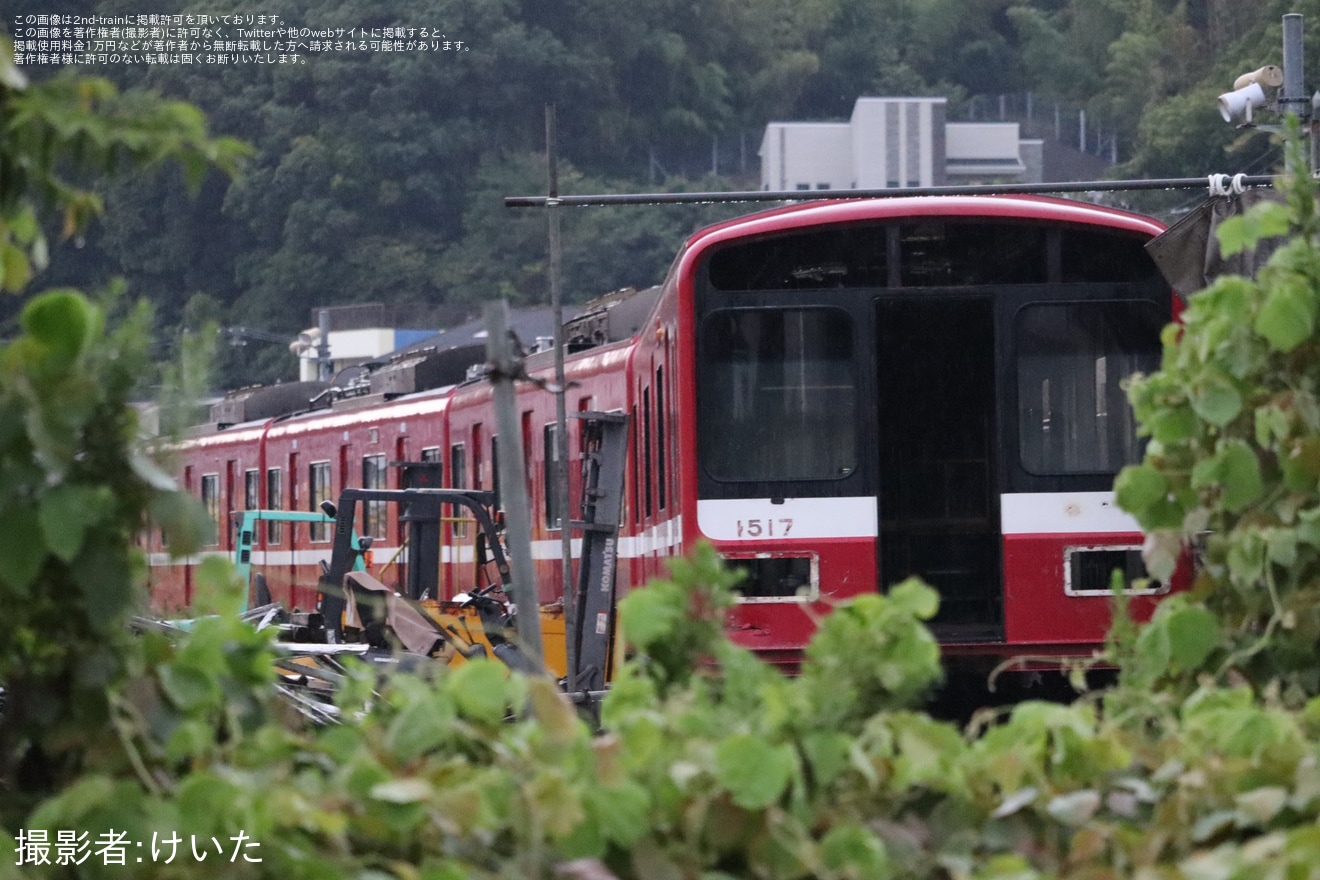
1023	513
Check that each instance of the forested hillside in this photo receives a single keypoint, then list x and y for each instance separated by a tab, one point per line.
377	176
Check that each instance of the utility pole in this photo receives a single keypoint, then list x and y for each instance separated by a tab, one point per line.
1293	98
325	367
560	487
505	365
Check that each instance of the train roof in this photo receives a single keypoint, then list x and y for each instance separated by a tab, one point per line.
1010	207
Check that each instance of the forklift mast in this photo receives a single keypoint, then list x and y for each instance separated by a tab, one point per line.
421	510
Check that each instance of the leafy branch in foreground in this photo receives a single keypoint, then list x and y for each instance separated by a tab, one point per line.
1233	463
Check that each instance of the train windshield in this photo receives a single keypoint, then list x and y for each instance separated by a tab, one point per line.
1073	416
778	395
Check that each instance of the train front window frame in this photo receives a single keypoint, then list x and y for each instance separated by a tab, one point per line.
778	394
1070	360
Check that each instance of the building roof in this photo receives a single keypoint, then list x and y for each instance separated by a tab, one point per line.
527	324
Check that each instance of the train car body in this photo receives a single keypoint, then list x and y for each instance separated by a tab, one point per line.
837	395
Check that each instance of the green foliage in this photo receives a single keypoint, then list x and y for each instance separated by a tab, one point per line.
1235	425
76	491
873	654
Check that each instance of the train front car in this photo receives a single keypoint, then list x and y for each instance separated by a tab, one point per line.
920	386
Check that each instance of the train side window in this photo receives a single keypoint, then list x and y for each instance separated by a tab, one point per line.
274	501
251	489
457	479
318	485
373	477
636	470
495	470
661	475
777	395
229	523
1073	416
431	454
550	474
647	450
211	501
476	457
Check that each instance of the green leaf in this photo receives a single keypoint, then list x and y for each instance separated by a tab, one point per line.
187	687
1287	317
1153	653
620	812
207	804
480	689
1240	475
828	753
189	740
1174	424
15	271
915	598
1232	235
64	322
22	548
1216	400
754	772
648	617
423	725
24	225
1138	487
857	852
183	521
1193	632
1245	231
67	512
105	577
1271	425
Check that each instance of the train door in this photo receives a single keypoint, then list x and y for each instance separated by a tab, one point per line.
938	490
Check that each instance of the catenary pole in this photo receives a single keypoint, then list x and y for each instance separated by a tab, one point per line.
560	487
504	365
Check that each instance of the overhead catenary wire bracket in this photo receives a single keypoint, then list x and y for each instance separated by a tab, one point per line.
1222	185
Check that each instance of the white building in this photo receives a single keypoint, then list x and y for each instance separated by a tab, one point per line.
357	334
894	142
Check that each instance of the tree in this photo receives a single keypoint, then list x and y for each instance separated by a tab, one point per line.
64	127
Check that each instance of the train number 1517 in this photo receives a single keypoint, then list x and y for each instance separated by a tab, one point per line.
764	528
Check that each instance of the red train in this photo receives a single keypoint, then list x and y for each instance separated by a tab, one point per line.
836	394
